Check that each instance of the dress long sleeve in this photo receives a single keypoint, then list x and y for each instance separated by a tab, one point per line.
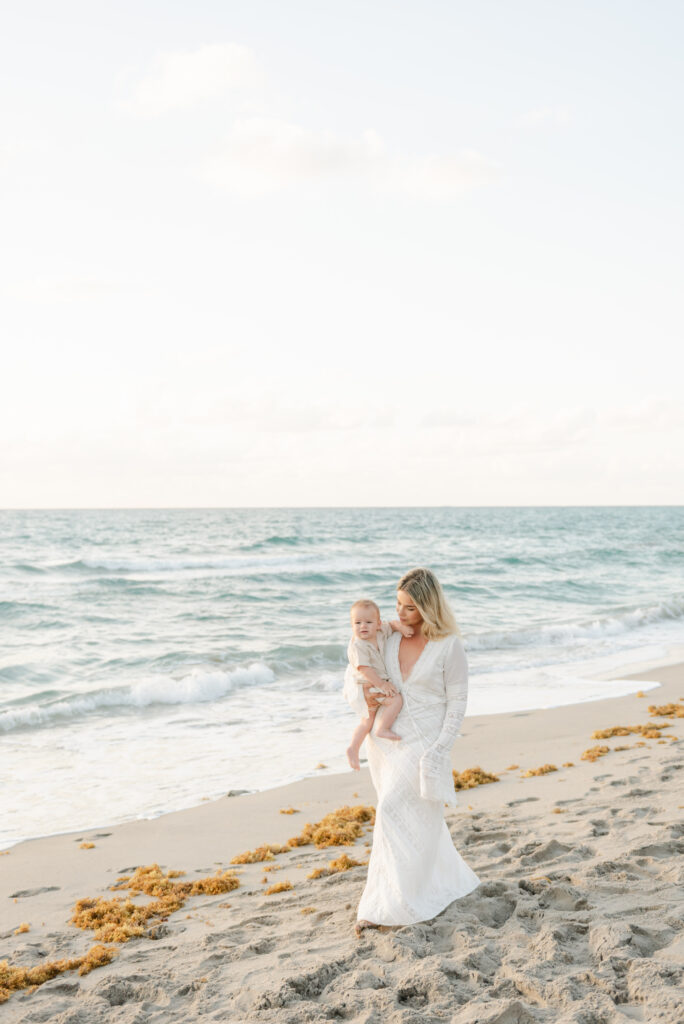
435	764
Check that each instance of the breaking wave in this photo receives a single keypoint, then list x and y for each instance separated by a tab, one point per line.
197	687
609	625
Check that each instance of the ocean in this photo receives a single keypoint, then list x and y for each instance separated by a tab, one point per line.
150	659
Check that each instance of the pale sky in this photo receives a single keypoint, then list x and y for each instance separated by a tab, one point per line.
362	252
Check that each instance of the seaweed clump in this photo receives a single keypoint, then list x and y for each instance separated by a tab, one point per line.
279	887
593	753
544	769
118	920
12	979
262	853
674	710
339	828
650	731
23	927
469	778
342	863
289	810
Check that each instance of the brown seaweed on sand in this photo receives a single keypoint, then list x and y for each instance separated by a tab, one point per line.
118	919
472	777
289	810
342	863
339	828
593	753
667	710
544	769
279	887
651	731
12	979
265	852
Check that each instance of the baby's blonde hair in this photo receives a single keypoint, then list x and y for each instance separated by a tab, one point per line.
423	588
365	603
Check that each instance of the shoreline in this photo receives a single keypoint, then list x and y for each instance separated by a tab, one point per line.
630	671
561	721
520	834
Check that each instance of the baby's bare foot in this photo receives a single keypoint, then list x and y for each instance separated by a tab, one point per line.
387	734
353	758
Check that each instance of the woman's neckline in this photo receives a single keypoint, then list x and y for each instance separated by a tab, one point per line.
405	679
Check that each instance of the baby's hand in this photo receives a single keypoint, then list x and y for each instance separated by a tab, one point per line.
406	630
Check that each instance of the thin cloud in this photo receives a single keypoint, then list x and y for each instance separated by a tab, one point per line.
265	155
179	81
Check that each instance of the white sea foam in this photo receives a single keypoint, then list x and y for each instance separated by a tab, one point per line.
611	625
196	688
495	693
182	562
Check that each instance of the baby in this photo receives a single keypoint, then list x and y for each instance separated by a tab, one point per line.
366	657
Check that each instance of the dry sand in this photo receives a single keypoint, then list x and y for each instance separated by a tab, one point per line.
579	917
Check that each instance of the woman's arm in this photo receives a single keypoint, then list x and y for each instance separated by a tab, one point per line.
432	763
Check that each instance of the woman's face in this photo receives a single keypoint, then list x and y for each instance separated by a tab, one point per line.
407	611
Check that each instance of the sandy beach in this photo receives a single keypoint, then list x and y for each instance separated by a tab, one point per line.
579	916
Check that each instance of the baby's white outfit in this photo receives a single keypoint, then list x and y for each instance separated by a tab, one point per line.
363	652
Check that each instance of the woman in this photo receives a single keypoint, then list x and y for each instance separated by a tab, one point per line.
414	870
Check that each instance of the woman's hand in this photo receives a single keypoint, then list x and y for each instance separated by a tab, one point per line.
433	767
399	627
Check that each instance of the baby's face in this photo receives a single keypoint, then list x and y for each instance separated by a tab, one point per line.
365	623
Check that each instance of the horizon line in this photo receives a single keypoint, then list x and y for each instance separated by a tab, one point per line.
266	508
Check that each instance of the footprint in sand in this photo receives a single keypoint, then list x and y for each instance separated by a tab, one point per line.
23	893
562	897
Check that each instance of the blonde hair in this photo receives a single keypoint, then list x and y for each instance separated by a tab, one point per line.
423	588
365	603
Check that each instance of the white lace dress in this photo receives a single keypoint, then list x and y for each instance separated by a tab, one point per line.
415	870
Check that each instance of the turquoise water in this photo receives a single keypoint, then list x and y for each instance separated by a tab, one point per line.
149	659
